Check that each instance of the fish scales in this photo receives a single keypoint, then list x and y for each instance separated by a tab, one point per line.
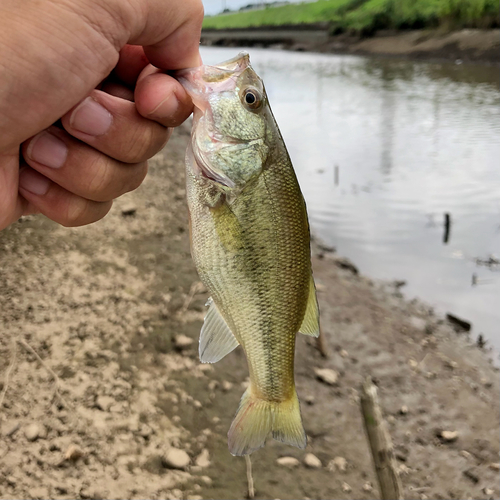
250	244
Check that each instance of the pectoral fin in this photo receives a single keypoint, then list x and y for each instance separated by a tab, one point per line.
310	323
216	339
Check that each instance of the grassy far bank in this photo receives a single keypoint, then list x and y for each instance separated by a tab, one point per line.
367	16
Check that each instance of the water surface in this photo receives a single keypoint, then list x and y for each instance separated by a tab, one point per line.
410	141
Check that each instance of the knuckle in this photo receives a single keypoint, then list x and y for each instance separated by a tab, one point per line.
138	176
145	142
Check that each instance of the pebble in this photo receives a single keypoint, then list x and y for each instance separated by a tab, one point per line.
176	459
312	461
309	399
346	488
403	410
344	353
367	486
203	459
494	466
183	341
104	403
11	429
418	323
465	454
73	453
338	463
449	436
226	386
207	480
288	462
34	431
327	375
488	491
129	209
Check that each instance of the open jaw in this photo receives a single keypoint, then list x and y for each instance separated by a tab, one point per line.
204	80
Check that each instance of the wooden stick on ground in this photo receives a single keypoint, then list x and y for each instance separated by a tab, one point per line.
380	443
251	490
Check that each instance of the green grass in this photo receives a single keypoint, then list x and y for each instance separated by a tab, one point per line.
367	16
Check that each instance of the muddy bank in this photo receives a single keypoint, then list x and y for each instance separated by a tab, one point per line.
114	310
468	45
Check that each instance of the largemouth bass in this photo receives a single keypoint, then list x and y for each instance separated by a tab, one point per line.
250	244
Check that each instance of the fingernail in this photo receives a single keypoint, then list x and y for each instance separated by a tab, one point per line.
32	181
48	150
91	118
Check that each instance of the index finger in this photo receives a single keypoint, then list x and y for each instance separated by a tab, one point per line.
178	46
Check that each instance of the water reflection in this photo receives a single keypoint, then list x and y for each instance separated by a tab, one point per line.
411	142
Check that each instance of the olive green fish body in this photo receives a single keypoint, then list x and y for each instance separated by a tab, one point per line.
250	244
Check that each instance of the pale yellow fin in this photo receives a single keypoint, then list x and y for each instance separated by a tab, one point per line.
310	323
257	418
216	339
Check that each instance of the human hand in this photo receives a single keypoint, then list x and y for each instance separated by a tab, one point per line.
71	137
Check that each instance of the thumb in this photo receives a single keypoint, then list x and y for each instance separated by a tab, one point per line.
12	205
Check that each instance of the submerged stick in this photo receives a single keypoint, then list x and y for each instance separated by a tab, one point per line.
251	490
380	443
321	345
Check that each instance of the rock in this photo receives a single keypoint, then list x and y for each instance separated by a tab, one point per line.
312	461
449	436
338	463
183	341
203	459
104	403
488	491
494	466
346	488
175	459
288	462
344	353
403	410
327	375
34	431
465	454
129	209
459	324
346	264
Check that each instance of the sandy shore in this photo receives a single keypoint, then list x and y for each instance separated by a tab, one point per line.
114	310
468	45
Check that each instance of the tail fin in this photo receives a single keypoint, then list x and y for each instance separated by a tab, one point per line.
256	418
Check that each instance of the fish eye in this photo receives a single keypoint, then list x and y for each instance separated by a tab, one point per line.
252	98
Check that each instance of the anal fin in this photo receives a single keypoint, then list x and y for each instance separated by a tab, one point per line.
216	339
310	323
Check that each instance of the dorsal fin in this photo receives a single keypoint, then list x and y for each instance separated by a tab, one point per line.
310	323
216	339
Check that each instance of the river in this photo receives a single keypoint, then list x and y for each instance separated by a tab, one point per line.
383	149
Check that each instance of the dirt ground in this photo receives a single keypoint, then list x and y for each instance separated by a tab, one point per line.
102	395
467	45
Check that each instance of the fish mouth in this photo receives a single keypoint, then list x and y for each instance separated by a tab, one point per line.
203	80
